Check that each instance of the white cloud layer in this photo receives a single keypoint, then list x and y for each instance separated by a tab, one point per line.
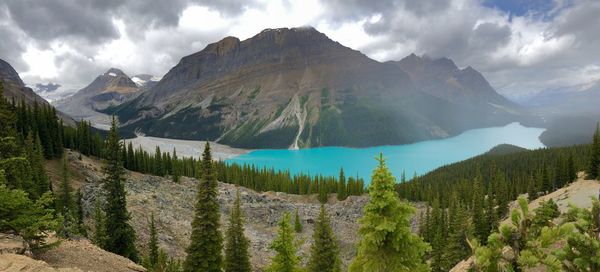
70	42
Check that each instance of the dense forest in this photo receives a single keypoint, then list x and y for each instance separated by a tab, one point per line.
468	199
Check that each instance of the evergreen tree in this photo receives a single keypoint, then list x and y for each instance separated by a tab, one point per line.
100	236
204	251
153	245
459	231
322	192
65	197
324	252
297	223
66	205
80	225
285	259
120	235
25	217
479	223
387	243
158	164
7	116
341	190
594	162
175	172
237	258
35	156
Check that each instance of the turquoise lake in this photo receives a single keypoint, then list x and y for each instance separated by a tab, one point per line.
420	157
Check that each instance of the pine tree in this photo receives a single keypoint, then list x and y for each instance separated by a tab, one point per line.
120	235
7	116
285	259
175	172
479	222
324	252
35	156
460	230
99	237
387	243
204	251
594	162
571	170
237	258
322	194
66	205
297	223
158	164
341	190
153	245
80	225
65	202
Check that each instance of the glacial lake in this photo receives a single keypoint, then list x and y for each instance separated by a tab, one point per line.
420	157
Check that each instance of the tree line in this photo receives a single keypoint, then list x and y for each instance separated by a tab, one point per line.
163	163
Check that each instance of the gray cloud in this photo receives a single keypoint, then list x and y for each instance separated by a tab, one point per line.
47	20
488	39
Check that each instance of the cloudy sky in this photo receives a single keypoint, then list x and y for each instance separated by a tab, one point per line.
521	46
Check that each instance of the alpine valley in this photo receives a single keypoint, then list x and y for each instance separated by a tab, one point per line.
295	88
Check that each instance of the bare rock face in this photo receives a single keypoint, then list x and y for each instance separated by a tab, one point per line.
10	243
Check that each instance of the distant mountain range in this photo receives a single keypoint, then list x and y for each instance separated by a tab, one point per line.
289	88
110	89
15	90
570	113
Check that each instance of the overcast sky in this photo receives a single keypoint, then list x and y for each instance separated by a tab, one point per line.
521	46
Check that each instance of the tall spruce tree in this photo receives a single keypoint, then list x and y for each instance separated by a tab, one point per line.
205	250
324	252
153	245
285	259
342	193
237	258
297	223
66	205
35	156
120	235
387	243
99	236
175	171
594	163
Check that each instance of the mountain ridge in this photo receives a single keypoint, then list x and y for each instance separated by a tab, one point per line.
237	92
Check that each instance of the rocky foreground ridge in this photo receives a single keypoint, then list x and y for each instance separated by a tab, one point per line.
172	205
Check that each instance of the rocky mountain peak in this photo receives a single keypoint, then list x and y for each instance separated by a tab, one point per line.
8	73
291	36
114	72
446	64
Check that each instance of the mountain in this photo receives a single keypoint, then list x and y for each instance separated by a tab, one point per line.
570	113
572	100
145	81
298	88
15	89
112	88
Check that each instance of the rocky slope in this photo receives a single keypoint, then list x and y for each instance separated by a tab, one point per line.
298	88
69	256
578	193
15	89
172	205
109	89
